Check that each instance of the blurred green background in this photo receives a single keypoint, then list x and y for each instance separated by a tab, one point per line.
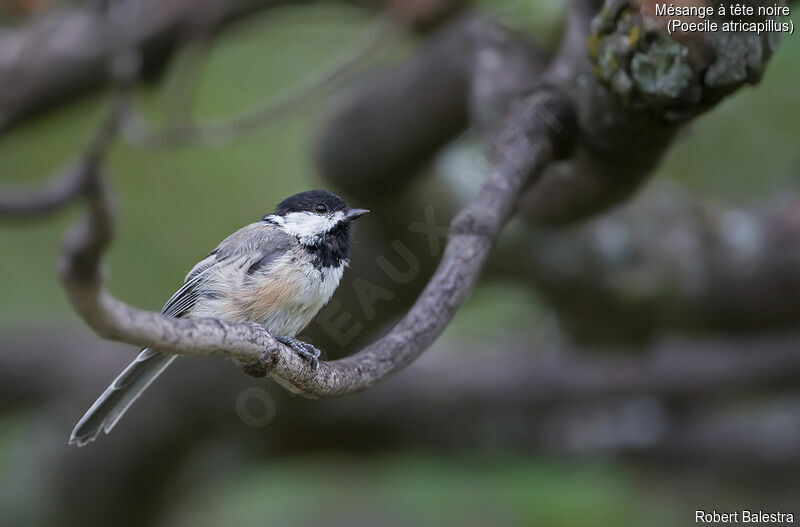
176	205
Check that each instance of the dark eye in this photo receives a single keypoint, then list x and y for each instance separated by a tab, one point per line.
321	208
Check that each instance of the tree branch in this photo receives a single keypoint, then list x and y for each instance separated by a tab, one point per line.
82	278
66	53
528	146
515	372
541	128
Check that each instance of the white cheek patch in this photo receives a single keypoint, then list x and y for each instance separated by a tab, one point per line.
307	226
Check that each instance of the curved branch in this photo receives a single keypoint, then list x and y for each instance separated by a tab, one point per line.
473	233
35	202
82	278
541	129
63	188
528	145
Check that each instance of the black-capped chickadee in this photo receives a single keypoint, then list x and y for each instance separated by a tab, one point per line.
277	272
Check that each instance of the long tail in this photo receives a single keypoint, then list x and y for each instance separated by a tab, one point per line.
126	388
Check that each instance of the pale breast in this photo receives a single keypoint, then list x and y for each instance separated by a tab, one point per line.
284	297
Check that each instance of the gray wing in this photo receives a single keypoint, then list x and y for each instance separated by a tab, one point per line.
256	241
259	243
254	246
184	298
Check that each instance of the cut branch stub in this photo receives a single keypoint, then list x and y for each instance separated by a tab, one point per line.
679	75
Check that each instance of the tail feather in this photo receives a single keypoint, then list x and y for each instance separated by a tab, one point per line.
126	388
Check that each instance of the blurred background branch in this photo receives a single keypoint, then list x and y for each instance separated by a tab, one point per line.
183	130
39	200
657	331
63	54
669	261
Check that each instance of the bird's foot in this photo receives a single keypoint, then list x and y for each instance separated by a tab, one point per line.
304	349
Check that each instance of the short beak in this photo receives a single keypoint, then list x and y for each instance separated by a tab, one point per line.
352	214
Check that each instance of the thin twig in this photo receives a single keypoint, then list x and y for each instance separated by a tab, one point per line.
35	202
139	133
181	93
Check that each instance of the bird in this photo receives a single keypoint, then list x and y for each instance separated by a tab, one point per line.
277	272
